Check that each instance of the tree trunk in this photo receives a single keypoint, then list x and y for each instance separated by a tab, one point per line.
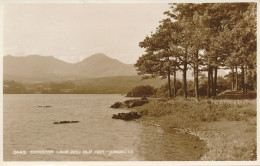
212	80
246	78
174	82
208	88
185	80
233	78
243	78
169	83
236	79
255	82
185	74
214	93
194	82
196	75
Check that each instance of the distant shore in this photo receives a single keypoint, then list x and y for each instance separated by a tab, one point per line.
228	128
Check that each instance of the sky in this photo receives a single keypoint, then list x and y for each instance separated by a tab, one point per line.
73	32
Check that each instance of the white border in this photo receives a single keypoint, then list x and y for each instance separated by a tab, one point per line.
121	1
118	163
1	81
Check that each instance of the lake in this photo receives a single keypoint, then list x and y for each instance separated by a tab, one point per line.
30	135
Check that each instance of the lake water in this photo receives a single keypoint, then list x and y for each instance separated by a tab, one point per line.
30	135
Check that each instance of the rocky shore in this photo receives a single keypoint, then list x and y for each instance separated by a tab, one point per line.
129	104
141	117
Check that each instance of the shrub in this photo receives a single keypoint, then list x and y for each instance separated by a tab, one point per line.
142	90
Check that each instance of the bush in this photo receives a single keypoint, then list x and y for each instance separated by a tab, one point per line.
142	90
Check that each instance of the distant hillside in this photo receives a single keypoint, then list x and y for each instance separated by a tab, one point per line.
34	65
99	65
36	68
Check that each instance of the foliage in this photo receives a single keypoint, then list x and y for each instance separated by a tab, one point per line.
142	90
160	58
107	85
11	87
204	37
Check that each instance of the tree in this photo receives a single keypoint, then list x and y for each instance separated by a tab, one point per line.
159	59
224	34
193	36
243	39
225	23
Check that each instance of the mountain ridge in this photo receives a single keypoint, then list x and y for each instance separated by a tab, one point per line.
36	67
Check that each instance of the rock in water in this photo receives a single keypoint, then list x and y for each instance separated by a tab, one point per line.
138	103
63	122
45	106
135	102
130	103
127	116
118	105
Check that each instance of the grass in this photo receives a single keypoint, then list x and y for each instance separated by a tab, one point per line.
234	95
229	127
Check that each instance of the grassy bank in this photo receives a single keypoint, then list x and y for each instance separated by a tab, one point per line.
228	126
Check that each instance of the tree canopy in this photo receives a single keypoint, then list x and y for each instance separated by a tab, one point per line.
202	37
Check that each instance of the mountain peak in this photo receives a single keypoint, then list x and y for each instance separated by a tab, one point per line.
98	56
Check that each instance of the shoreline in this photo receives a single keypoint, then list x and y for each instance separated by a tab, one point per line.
222	143
214	140
197	134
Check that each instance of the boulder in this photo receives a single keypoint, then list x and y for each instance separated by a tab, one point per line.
127	116
131	115
135	102
118	105
118	116
138	103
129	102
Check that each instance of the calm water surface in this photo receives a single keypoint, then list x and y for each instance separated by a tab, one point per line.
29	128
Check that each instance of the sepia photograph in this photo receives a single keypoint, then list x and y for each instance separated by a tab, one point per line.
130	82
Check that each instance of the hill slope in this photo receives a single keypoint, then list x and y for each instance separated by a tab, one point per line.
43	68
99	65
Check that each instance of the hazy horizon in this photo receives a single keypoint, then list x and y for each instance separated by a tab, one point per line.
73	32
72	62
